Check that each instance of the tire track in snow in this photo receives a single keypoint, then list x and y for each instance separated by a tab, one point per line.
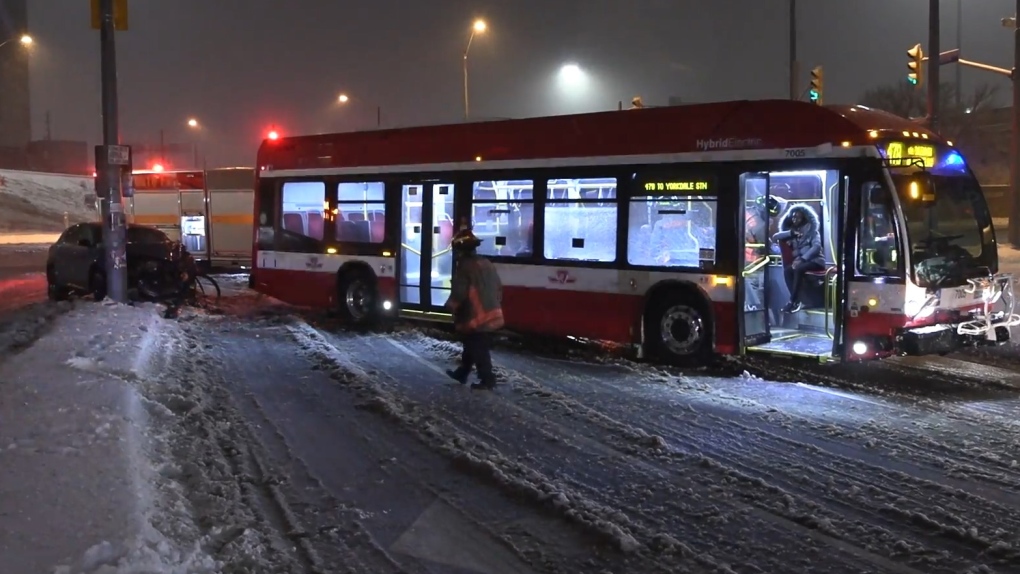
511	473
764	468
699	501
959	408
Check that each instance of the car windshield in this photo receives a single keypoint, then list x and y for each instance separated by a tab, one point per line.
145	235
950	240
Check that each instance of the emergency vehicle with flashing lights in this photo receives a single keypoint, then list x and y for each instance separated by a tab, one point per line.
209	211
638	227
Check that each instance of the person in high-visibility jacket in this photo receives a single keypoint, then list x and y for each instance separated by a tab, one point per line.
476	303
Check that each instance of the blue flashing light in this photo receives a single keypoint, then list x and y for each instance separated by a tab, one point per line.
953	158
951	164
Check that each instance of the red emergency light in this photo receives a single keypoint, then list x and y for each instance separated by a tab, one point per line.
273	135
157	167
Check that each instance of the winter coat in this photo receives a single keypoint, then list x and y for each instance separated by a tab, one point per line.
805	241
477	296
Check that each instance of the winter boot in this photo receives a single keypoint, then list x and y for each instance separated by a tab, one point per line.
457	375
486	384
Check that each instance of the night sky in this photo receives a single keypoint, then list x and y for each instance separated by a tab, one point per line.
240	66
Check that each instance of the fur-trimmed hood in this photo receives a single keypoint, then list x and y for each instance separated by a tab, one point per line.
810	217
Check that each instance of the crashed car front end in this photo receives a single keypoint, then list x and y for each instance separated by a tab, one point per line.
162	273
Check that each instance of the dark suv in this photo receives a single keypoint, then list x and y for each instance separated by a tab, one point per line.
157	266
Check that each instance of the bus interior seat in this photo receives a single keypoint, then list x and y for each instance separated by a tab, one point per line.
294	223
377	230
812	296
316	224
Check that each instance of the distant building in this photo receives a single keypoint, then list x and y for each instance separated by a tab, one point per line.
15	102
59	156
168	155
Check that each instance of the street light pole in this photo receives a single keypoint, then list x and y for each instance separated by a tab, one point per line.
933	65
959	46
1014	164
113	207
477	28
794	66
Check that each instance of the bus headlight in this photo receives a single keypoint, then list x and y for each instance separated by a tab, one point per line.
860	348
387	305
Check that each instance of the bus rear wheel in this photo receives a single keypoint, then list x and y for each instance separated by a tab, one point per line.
678	329
358	299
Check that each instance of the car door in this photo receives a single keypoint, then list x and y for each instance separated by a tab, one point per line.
63	255
82	254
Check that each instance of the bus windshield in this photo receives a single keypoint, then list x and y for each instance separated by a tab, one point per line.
951	239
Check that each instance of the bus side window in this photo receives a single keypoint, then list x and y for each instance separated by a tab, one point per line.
877	252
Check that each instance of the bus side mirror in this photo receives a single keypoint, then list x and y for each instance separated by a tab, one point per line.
921	189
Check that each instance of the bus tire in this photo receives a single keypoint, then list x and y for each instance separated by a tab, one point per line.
357	298
678	328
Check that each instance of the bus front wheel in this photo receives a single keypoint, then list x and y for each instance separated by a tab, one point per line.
678	329
358	298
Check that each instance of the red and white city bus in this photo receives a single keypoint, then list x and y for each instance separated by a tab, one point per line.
635	227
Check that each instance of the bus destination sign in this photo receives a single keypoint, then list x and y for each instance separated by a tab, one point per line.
683	186
901	153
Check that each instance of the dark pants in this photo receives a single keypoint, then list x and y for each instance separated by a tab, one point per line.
477	355
795	277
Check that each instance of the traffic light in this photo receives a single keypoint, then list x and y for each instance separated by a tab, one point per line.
273	135
817	85
916	55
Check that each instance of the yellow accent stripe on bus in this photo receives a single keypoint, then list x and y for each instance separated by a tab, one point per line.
145	219
234	219
163	219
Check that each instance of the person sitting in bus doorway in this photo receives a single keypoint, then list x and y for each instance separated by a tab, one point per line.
799	228
476	303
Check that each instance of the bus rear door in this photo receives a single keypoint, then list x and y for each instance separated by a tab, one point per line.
425	265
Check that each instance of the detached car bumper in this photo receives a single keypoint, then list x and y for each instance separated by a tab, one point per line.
935	339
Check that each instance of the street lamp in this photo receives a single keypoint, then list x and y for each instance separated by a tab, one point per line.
192	123
479	27
344	99
572	77
24	39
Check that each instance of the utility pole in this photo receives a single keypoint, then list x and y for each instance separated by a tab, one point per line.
115	159
1014	164
959	46
49	126
933	65
794	67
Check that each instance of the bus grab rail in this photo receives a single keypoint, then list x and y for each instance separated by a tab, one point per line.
756	266
830	300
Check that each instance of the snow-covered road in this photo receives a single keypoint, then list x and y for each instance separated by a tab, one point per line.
283	443
382	463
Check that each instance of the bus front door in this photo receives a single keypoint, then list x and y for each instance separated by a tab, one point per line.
752	288
425	267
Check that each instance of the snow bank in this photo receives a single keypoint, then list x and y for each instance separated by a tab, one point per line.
80	492
32	201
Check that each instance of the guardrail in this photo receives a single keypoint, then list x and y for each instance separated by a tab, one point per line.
997	196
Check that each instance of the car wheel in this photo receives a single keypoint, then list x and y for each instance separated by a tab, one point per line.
97	285
54	291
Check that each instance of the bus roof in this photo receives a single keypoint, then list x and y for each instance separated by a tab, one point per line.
721	126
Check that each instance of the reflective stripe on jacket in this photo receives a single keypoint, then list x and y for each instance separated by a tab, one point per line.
477	296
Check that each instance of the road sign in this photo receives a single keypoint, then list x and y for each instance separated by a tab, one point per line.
120	15
118	155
